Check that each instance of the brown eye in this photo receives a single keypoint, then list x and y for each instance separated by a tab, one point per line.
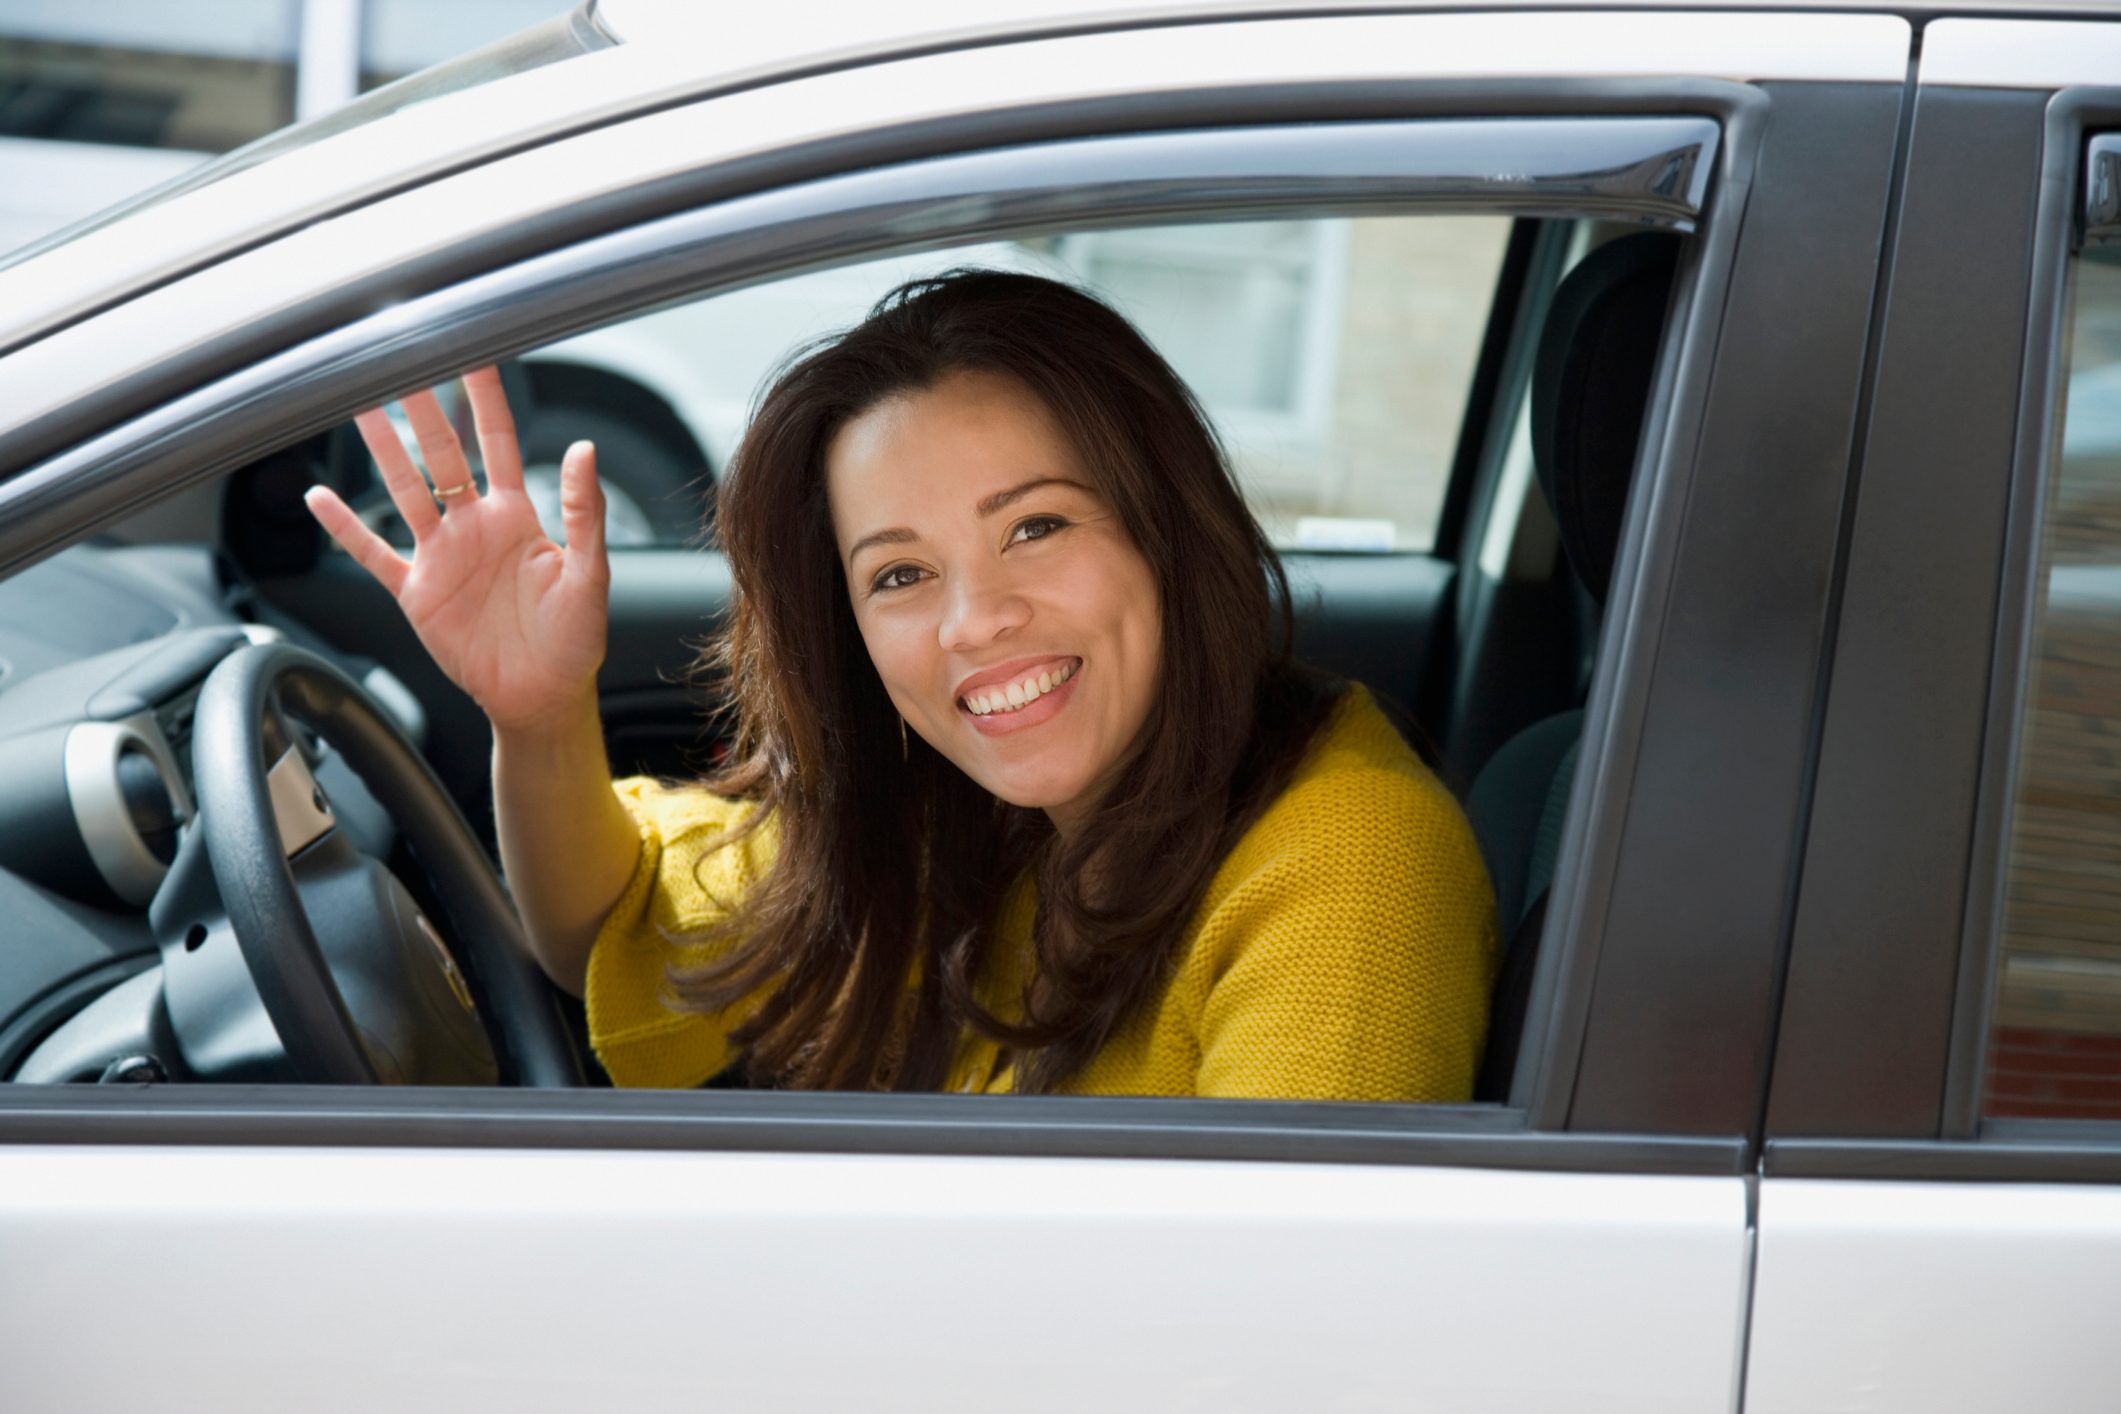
1036	528
897	577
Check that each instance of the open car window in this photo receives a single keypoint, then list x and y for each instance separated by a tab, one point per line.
1334	355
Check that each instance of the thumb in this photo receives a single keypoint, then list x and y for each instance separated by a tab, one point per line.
582	511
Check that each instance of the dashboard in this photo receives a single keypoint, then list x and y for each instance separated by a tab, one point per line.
103	651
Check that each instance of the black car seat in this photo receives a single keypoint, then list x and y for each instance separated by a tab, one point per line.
1590	383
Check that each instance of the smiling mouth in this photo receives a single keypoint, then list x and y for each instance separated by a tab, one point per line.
1005	698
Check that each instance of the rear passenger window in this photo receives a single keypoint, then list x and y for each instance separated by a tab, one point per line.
1334	355
2055	1042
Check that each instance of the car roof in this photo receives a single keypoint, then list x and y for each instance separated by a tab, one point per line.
661	53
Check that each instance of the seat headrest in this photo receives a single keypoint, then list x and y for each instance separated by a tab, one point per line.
1589	386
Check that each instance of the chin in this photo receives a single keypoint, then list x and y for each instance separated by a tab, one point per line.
1033	790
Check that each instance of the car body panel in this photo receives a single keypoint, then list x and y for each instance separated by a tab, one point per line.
2029	54
1935	1298
483	124
532	1281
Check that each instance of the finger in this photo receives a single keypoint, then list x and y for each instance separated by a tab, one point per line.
370	551
408	489
497	429
582	512
439	447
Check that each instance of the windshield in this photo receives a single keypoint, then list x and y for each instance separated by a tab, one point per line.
564	37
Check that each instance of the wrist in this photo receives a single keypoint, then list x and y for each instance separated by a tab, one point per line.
547	728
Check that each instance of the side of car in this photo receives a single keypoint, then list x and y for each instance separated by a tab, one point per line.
1689	990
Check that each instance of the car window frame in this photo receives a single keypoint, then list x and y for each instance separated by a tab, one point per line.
2074	117
359	362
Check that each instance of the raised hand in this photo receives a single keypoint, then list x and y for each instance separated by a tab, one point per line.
515	620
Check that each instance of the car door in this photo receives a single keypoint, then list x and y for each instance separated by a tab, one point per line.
1586	1240
1940	1213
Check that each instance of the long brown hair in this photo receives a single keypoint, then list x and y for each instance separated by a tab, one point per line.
889	863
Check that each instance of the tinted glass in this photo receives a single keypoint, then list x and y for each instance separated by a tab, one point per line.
2056	1040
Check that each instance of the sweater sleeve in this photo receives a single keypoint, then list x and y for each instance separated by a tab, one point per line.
1352	947
682	884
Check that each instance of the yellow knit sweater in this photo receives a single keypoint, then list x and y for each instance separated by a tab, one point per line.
1344	950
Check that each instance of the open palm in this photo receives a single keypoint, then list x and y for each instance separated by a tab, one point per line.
515	620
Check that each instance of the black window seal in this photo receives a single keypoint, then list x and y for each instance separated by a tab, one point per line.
2058	235
1249	1131
2015	1151
215	428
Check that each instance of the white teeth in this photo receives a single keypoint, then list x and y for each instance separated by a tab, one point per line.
1017	695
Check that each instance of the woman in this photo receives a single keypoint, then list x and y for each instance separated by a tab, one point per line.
1019	798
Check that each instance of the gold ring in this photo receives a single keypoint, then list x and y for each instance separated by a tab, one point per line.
452	490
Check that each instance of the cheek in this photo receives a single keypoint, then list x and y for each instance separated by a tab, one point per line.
902	648
1120	591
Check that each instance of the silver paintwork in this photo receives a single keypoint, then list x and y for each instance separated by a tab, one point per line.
90	756
2034	54
763	83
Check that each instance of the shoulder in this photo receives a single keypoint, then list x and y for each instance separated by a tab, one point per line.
1359	802
698	836
1346	946
676	810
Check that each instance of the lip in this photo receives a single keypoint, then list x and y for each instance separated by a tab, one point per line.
1015	670
1031	714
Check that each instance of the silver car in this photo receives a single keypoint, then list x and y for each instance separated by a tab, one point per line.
1664	408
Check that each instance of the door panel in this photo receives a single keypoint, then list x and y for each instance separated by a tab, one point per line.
1935	1298
529	1281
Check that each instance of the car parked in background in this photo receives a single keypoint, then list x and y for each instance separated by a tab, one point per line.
1692	420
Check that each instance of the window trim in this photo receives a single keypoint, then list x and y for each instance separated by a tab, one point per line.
1700	767
1878	904
2059	235
706	1121
297	391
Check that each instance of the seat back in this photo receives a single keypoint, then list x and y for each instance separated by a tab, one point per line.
1590	384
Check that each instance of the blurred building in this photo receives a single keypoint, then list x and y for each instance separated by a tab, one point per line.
100	99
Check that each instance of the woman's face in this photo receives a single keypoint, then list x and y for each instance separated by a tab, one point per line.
1013	621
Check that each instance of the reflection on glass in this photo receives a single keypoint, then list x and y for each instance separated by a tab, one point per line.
2056	1043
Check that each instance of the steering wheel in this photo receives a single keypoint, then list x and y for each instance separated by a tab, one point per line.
379	996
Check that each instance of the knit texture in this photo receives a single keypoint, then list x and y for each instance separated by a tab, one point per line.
1344	950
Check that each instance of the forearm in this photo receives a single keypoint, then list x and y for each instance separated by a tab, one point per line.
568	847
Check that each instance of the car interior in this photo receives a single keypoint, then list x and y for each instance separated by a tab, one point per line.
1483	647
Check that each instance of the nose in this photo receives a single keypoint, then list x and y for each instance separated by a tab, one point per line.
979	607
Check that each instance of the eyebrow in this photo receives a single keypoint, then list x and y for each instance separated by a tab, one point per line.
988	505
898	535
